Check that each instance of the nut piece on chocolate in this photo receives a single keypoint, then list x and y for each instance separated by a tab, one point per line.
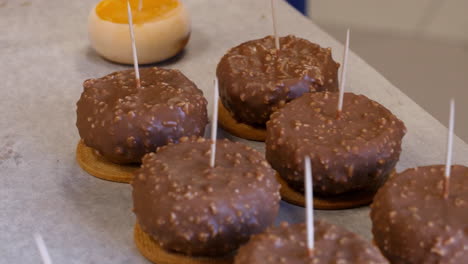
255	79
288	244
124	123
188	207
412	223
354	153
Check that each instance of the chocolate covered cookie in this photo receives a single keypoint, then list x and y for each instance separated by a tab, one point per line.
255	79
413	223
287	244
352	155
192	209
124	123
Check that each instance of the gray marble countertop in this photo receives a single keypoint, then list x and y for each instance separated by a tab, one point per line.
46	56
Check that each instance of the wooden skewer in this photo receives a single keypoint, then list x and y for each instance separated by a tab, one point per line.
134	50
275	25
448	162
214	124
41	246
140	5
309	205
343	75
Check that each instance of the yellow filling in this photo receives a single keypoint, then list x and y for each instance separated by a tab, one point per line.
116	10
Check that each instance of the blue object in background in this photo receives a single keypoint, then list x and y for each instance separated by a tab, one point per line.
299	5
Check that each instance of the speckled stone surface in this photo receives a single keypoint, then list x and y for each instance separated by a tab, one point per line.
45	59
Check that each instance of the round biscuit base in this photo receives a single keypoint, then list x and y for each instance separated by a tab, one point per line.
336	203
154	253
99	167
228	123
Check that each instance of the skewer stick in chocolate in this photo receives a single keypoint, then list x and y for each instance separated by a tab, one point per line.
343	74
134	51
309	205
275	25
42	249
448	163
214	123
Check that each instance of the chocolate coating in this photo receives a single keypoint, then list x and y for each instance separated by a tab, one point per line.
412	222
255	80
188	207
124	123
353	153
288	244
